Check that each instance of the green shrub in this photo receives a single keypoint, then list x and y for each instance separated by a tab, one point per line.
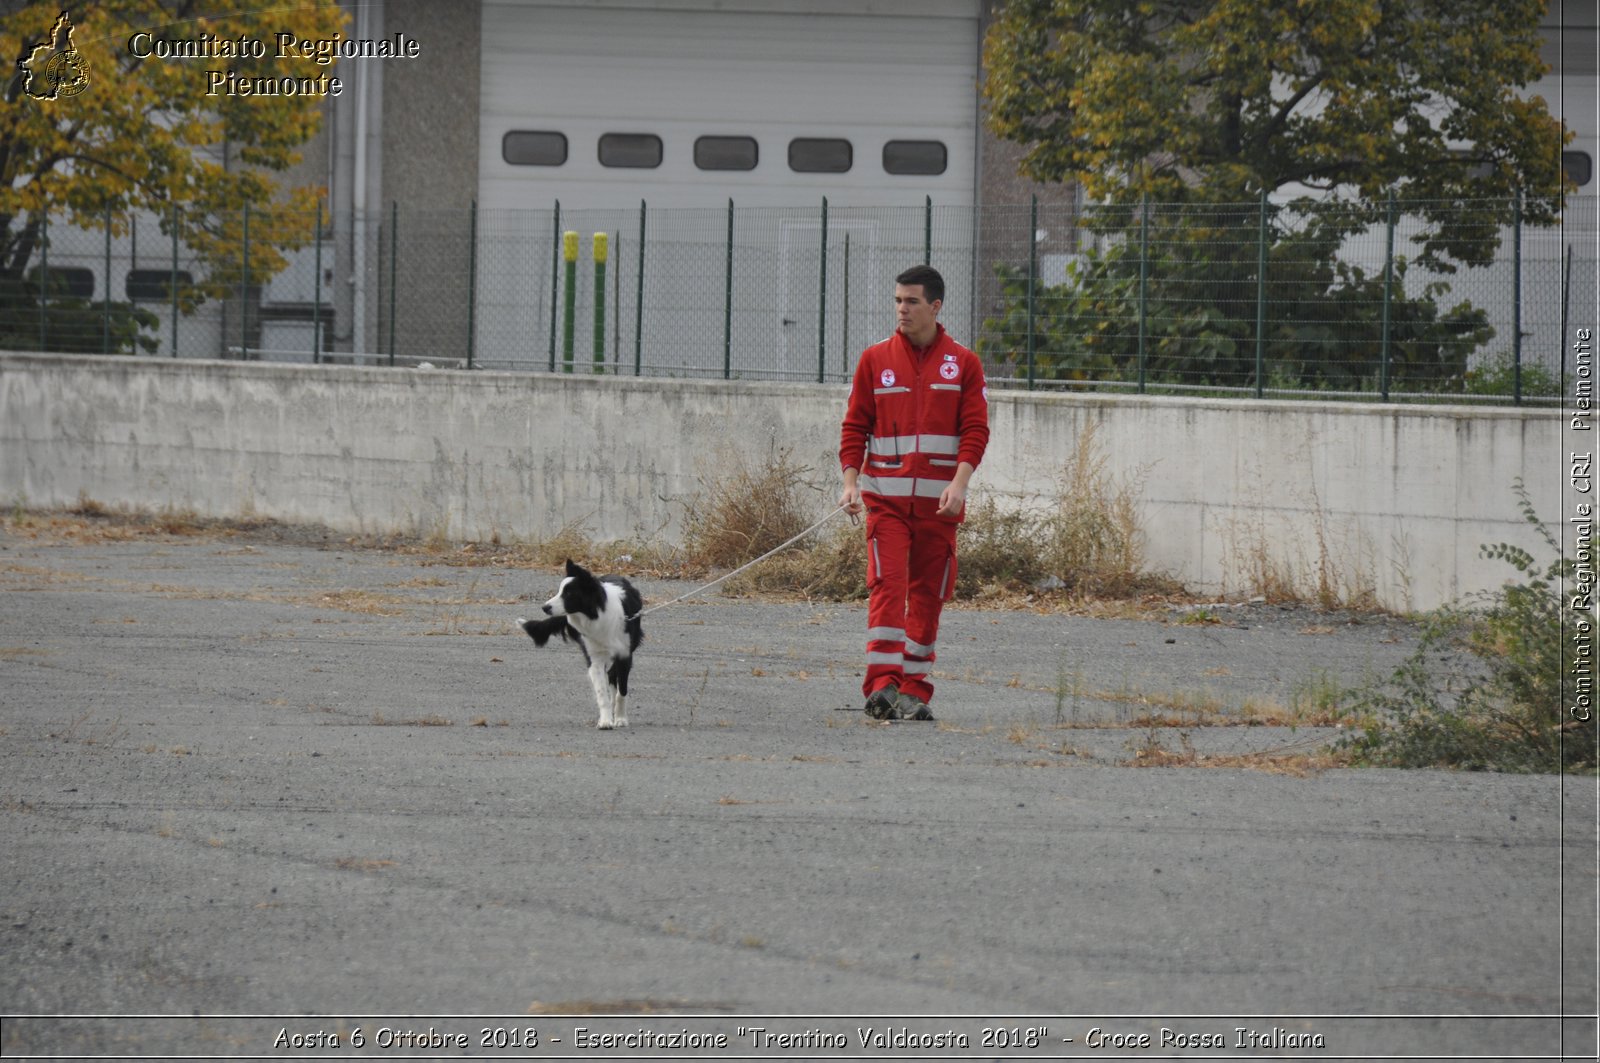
1483	689
1498	376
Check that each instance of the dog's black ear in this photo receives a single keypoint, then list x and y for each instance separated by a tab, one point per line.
572	570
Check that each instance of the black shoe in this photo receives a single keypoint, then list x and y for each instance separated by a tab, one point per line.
883	704
913	708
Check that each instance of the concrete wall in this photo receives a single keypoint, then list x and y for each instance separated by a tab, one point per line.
1389	500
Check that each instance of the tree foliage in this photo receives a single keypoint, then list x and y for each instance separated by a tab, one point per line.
1217	100
144	135
1207	107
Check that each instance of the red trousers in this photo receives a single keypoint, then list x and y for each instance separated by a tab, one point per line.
911	573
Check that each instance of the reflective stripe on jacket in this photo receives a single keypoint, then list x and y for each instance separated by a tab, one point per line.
913	417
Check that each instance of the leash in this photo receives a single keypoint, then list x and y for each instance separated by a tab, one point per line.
741	568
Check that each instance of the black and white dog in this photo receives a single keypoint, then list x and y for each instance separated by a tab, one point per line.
602	614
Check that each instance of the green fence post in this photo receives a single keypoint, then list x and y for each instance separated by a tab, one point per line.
472	284
1261	297
316	298
1516	298
569	251
616	306
44	284
822	299
174	283
844	336
394	275
927	232
105	316
727	303
380	277
638	305
1144	282
1388	299
555	279
244	292
1033	272
1566	307
600	249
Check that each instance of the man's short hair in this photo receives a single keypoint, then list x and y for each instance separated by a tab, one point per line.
928	277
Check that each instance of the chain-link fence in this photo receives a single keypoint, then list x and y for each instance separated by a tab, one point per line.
1259	299
1249	299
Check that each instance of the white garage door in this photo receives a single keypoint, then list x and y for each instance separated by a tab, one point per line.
866	103
684	105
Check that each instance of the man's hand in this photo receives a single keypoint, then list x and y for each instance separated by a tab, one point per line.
951	499
850	497
954	497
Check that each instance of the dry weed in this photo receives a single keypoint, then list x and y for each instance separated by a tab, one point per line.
830	565
1299	765
360	601
1341	573
1084	542
742	510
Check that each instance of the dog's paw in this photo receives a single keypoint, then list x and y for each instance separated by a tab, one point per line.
603	725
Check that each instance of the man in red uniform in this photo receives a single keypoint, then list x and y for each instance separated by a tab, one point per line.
913	434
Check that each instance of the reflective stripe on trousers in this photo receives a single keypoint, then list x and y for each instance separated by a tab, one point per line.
911	569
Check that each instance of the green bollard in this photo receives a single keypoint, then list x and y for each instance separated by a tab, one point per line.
600	250
569	251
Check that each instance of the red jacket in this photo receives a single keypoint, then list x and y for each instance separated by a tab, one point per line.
913	417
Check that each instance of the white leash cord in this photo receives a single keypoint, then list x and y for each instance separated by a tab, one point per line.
741	568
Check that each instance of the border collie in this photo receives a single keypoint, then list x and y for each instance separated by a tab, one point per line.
602	615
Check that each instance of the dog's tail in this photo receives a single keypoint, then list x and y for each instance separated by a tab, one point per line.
541	631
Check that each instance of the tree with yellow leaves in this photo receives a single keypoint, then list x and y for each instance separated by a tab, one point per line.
111	110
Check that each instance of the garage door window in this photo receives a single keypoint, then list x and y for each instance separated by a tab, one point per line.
528	148
725	153
640	151
819	155
155	285
66	282
1578	167
915	157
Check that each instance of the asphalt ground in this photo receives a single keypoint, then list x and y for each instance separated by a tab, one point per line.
248	775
